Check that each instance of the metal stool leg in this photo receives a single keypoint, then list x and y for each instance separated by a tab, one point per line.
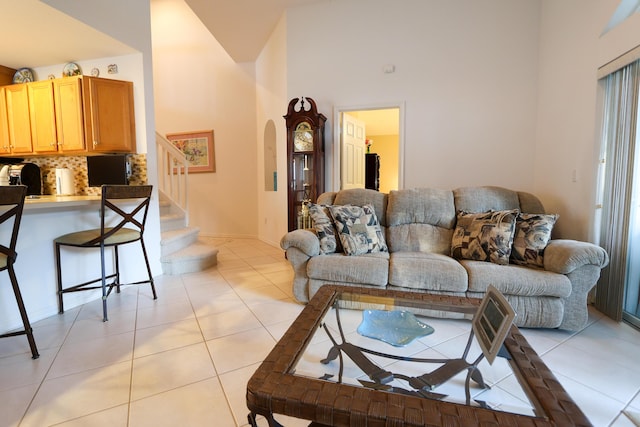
146	260
59	279
23	313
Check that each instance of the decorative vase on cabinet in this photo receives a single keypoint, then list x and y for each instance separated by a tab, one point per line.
305	160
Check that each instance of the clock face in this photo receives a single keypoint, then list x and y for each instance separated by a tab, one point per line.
303	137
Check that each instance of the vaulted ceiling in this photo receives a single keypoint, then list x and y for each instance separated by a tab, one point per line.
242	27
36	34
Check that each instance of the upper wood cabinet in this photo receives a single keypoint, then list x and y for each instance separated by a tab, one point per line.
67	95
42	117
19	123
109	115
6	75
55	109
4	126
79	114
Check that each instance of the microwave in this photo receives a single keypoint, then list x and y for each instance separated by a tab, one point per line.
112	169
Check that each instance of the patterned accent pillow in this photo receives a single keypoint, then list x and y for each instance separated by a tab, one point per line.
359	229
484	236
323	225
533	232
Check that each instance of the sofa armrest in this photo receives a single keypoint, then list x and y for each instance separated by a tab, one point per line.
304	240
564	256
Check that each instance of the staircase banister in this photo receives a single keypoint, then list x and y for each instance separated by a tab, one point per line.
171	149
173	173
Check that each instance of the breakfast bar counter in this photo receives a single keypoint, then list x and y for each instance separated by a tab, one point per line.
45	218
52	201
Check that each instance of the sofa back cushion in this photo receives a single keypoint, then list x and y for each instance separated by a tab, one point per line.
358	197
484	199
420	220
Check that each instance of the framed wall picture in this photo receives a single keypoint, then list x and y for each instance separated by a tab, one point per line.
198	148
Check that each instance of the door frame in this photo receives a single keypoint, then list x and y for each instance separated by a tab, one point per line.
335	183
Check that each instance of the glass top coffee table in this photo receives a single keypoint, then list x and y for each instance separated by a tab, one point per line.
366	356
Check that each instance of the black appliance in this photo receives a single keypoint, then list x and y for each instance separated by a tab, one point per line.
372	171
111	169
27	174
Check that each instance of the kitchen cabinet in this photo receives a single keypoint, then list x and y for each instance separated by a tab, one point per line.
109	115
6	75
78	114
19	123
55	110
4	126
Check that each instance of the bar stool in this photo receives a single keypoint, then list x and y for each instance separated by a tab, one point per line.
130	204
12	204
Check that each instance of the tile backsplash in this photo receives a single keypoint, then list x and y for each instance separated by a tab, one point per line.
78	164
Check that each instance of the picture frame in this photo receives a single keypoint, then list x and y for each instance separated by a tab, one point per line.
198	147
492	322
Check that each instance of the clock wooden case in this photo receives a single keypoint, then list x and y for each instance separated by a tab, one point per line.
305	159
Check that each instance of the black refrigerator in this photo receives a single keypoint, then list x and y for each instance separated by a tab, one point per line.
372	171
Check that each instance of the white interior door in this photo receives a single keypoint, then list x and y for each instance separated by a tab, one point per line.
352	152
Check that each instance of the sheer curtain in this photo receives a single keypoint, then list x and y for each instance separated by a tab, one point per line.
616	189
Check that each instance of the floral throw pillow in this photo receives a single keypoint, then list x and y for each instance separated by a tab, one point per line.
533	232
359	229
484	236
323	225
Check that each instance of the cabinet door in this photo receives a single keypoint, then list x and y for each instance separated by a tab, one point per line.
43	117
69	116
4	126
109	116
18	119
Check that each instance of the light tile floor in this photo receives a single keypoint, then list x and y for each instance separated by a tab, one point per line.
185	358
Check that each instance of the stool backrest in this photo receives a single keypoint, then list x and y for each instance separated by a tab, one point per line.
11	196
132	214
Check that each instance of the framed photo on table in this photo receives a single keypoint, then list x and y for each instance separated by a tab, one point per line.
197	147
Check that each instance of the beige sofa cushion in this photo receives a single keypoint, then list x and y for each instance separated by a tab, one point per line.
484	199
516	280
367	269
428	271
419	238
420	220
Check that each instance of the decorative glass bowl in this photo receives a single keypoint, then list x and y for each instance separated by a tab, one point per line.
396	327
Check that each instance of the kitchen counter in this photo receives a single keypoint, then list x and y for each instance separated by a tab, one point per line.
51	201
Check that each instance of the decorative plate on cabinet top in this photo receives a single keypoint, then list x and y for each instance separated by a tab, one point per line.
71	69
23	75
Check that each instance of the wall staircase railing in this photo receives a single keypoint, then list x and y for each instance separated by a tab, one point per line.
173	174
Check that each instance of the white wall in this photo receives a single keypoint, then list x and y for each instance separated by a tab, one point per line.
197	86
466	70
271	84
496	92
568	137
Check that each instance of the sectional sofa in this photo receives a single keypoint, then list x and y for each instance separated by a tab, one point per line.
455	242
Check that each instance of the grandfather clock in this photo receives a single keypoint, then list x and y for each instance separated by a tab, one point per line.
305	160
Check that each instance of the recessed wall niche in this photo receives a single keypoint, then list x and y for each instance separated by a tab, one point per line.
270	157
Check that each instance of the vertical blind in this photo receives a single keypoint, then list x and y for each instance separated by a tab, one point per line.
619	149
